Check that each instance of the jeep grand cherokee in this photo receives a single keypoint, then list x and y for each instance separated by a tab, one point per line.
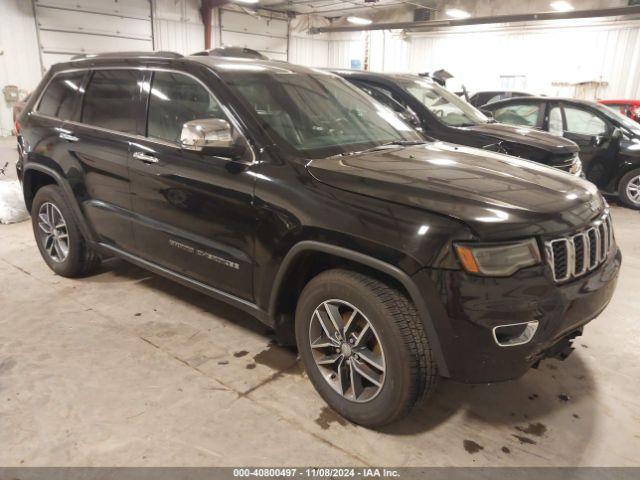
389	260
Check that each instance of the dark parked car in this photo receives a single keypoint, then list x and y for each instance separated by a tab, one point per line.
479	99
609	141
390	261
438	113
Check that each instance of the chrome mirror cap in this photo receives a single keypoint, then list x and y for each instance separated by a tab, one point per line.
206	132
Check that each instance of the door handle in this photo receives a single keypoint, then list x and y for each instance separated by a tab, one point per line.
68	137
143	157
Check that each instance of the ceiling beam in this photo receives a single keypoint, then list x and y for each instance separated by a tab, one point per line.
524	17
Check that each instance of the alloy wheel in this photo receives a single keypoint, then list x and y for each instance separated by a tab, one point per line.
633	189
347	350
53	232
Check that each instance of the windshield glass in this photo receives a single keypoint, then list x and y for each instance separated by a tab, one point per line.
447	106
314	112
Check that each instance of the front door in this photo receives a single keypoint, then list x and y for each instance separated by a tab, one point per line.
194	213
593	134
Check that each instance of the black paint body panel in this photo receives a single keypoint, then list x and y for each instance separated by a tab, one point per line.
235	229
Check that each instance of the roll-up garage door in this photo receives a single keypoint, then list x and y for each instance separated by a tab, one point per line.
72	27
264	34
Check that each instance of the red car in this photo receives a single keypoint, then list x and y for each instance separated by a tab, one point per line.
630	108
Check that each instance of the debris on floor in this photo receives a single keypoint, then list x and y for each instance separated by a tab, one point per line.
12	209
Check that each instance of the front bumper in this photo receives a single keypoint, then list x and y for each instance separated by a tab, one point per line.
466	308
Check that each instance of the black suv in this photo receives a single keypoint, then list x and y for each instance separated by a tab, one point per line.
438	113
287	192
609	141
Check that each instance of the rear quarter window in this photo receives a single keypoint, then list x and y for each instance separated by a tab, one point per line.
60	96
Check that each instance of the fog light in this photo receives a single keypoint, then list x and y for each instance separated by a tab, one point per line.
514	333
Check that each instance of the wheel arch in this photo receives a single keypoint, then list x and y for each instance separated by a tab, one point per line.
308	258
36	176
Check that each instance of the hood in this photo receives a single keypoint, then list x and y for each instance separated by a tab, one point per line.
526	136
497	196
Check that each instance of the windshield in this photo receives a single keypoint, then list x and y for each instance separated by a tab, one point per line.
314	112
447	106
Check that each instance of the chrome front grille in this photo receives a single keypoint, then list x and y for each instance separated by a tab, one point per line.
575	255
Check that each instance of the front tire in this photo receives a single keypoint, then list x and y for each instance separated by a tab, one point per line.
58	237
629	189
364	347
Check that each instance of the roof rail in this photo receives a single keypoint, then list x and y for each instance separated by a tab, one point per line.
158	54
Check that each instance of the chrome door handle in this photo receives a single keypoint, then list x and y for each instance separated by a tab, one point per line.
143	157
70	138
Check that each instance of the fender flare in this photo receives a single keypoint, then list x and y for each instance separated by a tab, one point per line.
405	280
67	193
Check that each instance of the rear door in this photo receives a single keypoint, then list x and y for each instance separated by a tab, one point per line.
194	213
592	132
109	118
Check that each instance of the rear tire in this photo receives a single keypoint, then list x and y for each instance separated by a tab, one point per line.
395	357
629	189
59	240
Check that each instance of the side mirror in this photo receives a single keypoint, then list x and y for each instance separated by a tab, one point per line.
214	136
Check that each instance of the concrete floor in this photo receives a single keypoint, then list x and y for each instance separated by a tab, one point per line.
126	368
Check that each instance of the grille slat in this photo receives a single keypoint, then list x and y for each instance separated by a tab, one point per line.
573	256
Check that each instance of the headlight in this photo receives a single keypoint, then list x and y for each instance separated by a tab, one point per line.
498	260
576	166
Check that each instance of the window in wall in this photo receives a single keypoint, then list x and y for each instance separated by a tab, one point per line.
583	122
60	96
525	114
111	100
174	100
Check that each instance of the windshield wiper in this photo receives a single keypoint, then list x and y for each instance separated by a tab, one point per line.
394	143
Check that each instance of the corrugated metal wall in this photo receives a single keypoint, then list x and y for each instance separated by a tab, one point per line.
542	59
347	48
177	26
267	34
306	49
19	63
547	57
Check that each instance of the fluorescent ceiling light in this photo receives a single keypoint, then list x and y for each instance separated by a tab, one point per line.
358	20
561	6
457	13
246	1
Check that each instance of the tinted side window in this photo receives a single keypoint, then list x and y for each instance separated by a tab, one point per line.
525	114
111	100
174	100
583	122
61	94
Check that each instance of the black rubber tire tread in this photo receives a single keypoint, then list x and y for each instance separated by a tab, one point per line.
423	366
402	314
622	189
82	259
